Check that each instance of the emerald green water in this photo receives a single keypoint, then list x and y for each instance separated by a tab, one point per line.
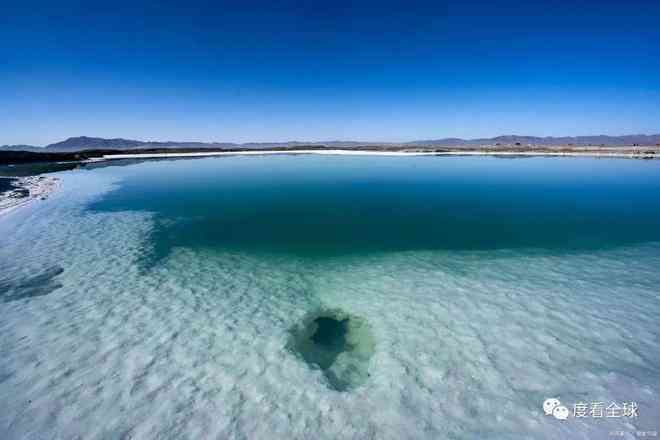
322	206
327	297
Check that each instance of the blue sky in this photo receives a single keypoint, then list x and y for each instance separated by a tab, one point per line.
382	71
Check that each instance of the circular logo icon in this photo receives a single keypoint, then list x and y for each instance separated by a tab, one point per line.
549	405
560	412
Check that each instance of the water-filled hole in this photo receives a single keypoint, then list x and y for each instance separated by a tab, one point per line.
339	344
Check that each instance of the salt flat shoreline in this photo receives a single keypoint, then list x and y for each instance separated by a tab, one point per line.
37	187
649	154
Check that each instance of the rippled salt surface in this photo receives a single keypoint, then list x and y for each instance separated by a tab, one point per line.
467	343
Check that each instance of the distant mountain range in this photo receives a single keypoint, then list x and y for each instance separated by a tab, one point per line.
93	143
614	141
20	148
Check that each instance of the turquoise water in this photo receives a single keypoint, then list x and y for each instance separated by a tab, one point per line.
332	297
320	206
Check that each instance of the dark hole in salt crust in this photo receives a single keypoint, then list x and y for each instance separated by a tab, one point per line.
338	344
331	333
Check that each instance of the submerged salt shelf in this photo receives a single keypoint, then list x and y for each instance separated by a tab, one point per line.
156	324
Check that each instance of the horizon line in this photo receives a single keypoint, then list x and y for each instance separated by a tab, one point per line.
428	139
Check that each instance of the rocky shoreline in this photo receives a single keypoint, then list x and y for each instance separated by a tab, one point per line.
26	189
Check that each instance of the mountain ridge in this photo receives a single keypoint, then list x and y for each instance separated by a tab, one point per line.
80	143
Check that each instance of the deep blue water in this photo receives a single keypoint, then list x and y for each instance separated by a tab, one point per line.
320	205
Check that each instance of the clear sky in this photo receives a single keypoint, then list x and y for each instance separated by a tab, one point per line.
375	70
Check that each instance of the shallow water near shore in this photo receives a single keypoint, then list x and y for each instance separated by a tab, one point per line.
332	297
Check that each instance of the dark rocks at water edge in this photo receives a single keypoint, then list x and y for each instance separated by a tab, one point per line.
25	189
6	184
10	188
13	157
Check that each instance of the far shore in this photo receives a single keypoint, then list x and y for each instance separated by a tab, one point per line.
11	157
650	153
